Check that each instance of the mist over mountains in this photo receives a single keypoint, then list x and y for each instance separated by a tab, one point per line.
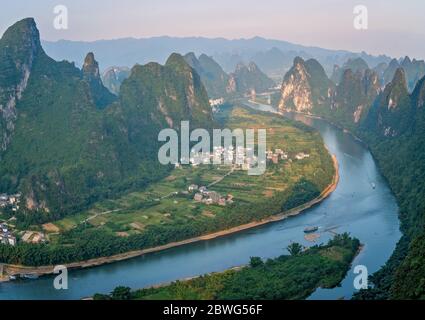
272	56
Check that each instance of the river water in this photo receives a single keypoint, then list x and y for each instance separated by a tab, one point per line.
368	213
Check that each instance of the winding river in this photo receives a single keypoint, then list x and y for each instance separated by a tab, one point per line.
362	204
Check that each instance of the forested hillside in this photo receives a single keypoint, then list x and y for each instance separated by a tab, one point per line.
392	122
67	141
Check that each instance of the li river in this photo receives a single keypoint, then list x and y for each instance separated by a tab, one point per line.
362	205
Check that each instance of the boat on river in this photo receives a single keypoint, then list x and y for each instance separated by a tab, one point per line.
30	276
311	229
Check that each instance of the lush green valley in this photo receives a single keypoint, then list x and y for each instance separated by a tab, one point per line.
165	211
85	144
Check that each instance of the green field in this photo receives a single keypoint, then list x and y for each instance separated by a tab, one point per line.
167	201
165	212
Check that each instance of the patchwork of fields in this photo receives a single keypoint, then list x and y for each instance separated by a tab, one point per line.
169	201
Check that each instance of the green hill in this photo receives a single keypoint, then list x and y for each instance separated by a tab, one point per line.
212	75
392	122
249	77
67	141
356	65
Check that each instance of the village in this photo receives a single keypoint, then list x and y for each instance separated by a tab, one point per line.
8	234
215	104
10	201
208	197
240	158
233	158
6	237
203	195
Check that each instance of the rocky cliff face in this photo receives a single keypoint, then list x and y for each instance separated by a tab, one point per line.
101	96
354	95
414	71
306	87
231	84
212	75
248	78
19	47
392	113
296	89
113	77
419	94
356	65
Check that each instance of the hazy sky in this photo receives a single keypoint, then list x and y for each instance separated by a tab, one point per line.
396	27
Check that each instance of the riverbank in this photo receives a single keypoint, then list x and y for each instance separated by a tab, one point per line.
14	270
336	125
325	266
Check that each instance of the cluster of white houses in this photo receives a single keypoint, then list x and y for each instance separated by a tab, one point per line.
209	197
5	236
216	102
278	154
239	157
10	201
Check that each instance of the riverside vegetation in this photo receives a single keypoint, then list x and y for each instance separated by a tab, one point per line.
293	276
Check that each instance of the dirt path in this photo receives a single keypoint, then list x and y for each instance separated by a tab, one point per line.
221	179
44	270
99	214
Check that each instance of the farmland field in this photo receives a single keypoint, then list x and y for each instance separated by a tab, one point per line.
168	201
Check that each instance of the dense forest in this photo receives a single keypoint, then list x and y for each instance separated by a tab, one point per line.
293	276
401	160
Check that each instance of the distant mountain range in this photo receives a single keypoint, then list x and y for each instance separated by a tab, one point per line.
219	84
272	56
